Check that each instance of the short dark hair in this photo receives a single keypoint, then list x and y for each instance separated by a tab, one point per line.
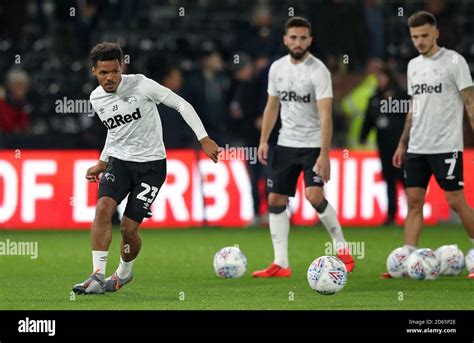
421	18
297	22
106	51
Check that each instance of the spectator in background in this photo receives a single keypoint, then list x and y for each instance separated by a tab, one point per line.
445	22
245	121
258	37
348	32
354	104
375	26
388	120
207	90
14	105
176	133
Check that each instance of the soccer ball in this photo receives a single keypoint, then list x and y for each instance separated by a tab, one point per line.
327	275
230	262
422	264
451	258
396	262
470	261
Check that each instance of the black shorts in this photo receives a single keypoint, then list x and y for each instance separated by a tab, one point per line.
447	169
286	166
141	181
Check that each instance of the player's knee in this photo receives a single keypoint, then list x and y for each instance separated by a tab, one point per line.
277	199
128	230
103	212
415	204
455	203
315	198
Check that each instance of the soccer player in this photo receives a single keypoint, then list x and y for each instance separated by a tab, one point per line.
301	83
440	84
133	161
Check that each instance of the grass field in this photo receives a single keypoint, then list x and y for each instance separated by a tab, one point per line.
174	271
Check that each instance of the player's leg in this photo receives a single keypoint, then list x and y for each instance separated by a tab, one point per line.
129	248
448	169
281	184
101	232
112	190
417	174
327	215
149	177
131	240
457	201
279	224
417	171
414	218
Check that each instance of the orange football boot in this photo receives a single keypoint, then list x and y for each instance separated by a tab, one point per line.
346	258
273	271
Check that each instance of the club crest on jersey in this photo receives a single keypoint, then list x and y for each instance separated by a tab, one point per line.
119	120
131	100
292	96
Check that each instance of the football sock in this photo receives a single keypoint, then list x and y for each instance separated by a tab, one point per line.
99	261
328	218
410	248
124	269
279	229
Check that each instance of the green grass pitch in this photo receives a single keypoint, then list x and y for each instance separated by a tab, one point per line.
174	271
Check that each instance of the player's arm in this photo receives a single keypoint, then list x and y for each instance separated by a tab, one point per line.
322	166
400	154
467	95
160	94
187	111
270	115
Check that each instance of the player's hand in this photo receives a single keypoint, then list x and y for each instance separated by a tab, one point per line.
92	174
323	168
262	153
210	148
399	156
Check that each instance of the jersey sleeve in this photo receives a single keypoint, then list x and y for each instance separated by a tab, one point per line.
272	90
322	83
461	73
188	113
153	90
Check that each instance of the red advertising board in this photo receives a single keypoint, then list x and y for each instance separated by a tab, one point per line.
48	189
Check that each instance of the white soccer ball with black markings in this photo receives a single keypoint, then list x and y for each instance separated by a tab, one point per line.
396	262
230	262
422	264
470	261
327	275
451	259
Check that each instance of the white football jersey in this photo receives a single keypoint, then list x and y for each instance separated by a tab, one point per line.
434	84
299	86
132	119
